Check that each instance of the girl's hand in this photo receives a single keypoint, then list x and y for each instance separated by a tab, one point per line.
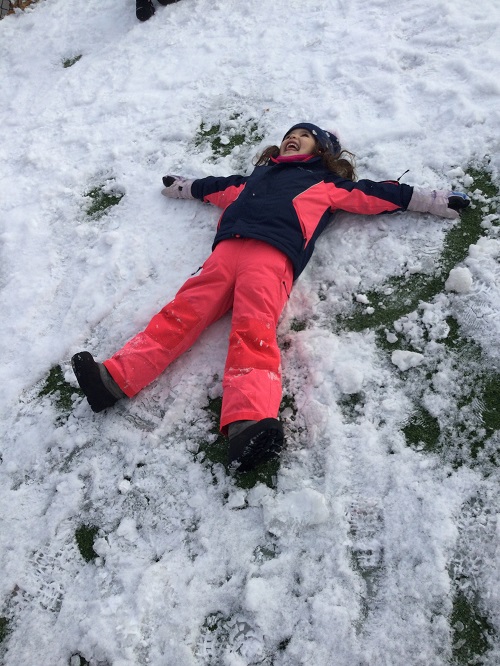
439	202
458	201
177	187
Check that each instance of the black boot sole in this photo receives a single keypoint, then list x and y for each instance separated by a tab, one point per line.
255	445
89	378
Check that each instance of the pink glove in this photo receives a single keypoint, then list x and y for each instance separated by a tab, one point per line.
177	187
444	203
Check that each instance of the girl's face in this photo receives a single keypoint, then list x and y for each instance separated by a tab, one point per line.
298	142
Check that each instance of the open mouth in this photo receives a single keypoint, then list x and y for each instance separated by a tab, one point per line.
292	145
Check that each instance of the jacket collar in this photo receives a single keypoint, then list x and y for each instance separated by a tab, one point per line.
308	159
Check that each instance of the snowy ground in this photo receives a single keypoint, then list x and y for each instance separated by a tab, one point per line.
366	549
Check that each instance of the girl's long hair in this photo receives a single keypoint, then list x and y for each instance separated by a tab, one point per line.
341	164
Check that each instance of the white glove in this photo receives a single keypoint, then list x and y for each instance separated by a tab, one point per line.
439	202
177	187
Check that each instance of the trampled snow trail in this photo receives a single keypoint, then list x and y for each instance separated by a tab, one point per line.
366	545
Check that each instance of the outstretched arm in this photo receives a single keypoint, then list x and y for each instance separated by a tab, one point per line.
219	191
368	197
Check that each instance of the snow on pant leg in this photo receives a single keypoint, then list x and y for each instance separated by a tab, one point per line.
252	376
202	300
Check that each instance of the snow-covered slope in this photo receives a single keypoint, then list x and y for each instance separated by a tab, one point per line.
369	549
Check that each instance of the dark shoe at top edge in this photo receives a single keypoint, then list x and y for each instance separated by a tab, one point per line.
144	9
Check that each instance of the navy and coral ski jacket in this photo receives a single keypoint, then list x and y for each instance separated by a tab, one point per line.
289	204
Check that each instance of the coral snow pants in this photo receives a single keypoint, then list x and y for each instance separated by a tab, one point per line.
254	279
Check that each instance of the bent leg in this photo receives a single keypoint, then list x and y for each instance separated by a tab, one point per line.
252	376
202	300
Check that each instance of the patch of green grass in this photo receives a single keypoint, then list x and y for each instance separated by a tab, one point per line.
422	432
216	451
471	632
214	636
214	621
491	402
282	646
352	405
288	405
265	553
221	635
469	229
4	628
265	474
298	325
101	198
69	62
463	431
226	135
401	295
461	435
85	536
404	297
60	389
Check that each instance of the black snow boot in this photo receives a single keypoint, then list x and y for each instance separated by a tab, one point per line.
256	444
95	381
167	2
144	9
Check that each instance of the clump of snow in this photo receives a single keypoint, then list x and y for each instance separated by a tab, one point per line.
459	280
349	377
391	337
295	510
406	359
485	247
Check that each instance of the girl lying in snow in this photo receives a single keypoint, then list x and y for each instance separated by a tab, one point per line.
265	237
